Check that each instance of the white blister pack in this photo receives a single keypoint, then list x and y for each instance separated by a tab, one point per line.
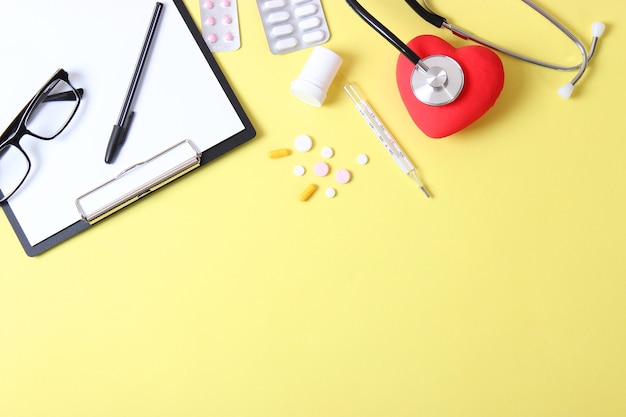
220	25
291	25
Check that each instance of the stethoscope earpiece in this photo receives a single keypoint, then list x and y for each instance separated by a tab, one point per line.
597	29
430	92
566	90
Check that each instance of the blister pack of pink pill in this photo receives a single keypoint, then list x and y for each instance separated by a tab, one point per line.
220	25
291	25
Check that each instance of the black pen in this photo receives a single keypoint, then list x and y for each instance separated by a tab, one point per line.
126	116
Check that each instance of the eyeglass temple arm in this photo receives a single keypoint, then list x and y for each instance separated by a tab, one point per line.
387	34
64	96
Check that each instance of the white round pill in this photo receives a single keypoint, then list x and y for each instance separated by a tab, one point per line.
303	143
362	159
299	170
331	192
327	152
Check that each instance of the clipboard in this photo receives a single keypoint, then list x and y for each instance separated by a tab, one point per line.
186	113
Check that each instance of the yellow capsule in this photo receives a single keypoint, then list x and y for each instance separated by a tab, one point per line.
308	192
279	153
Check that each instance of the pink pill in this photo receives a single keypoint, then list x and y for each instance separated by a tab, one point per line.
212	38
321	169
227	19
209	4
343	176
210	21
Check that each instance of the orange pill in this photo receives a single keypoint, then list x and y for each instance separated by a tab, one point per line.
279	153
308	192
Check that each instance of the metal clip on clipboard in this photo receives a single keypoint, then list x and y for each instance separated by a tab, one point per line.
137	181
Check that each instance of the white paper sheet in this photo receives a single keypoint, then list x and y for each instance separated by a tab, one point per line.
98	44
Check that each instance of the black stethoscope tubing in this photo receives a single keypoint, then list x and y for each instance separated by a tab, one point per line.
387	34
436	80
440	21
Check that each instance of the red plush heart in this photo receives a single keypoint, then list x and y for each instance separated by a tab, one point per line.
484	79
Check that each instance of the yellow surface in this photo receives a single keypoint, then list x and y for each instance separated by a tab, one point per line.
224	295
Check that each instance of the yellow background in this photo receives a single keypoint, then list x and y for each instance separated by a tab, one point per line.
223	295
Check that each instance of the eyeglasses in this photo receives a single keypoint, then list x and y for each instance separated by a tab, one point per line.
45	116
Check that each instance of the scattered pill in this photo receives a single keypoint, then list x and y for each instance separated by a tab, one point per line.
279	153
299	170
343	176
303	143
308	192
321	169
327	152
362	159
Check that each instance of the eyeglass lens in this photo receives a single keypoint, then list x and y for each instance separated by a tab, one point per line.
53	111
47	117
14	166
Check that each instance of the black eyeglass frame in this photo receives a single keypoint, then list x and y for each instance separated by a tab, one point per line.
17	129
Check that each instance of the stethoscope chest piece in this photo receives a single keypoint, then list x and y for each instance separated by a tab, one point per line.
441	83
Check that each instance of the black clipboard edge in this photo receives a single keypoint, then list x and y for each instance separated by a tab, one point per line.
208	155
248	131
44	245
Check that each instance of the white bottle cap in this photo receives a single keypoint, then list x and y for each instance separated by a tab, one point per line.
318	73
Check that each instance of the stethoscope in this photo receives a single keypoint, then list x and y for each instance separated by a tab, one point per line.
438	80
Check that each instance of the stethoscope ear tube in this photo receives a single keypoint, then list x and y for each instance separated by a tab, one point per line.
432	18
435	85
427	14
386	33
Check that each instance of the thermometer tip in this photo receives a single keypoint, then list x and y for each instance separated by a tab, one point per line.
415	178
